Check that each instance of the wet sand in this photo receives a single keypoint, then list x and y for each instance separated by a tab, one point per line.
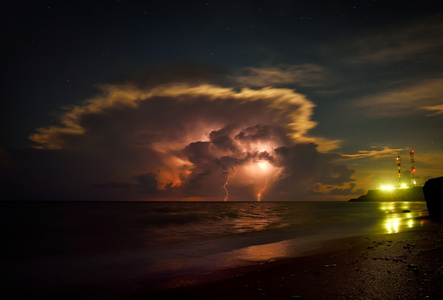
404	265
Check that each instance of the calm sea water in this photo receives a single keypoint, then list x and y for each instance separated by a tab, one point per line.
60	244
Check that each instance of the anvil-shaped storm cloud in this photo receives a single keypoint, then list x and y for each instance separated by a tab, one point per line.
180	141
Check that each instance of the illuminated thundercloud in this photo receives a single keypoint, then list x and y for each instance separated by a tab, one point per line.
160	151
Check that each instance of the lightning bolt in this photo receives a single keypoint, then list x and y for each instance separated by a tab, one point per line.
260	193
225	186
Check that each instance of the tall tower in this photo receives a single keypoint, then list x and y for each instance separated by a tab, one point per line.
399	170
411	155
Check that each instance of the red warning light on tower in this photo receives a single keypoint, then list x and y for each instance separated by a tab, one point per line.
411	155
399	170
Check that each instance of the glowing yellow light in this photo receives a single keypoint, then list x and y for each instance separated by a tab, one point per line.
386	187
406	206
392	225
403	186
410	223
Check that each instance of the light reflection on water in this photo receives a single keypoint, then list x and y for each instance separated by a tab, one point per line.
399	216
272	251
264	252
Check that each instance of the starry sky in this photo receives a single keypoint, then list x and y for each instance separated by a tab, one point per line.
218	100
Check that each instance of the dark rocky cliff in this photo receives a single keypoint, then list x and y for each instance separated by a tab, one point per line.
433	192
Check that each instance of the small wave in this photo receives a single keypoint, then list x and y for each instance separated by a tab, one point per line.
168	219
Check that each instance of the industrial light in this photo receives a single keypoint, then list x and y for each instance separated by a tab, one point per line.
386	187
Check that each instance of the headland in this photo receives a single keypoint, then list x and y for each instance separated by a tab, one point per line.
412	194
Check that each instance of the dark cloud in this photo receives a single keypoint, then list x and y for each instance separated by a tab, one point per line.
151	75
258	132
198	153
148	182
281	75
346	191
304	169
222	138
114	185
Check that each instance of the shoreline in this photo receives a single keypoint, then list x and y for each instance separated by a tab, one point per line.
337	267
400	265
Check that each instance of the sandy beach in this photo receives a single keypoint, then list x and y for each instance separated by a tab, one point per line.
404	265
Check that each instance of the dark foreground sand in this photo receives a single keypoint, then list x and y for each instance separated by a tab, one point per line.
405	265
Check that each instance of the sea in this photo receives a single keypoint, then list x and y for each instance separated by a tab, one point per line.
60	246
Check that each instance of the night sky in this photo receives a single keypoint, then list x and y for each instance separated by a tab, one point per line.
218	100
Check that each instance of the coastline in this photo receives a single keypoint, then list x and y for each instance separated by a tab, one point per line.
404	265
